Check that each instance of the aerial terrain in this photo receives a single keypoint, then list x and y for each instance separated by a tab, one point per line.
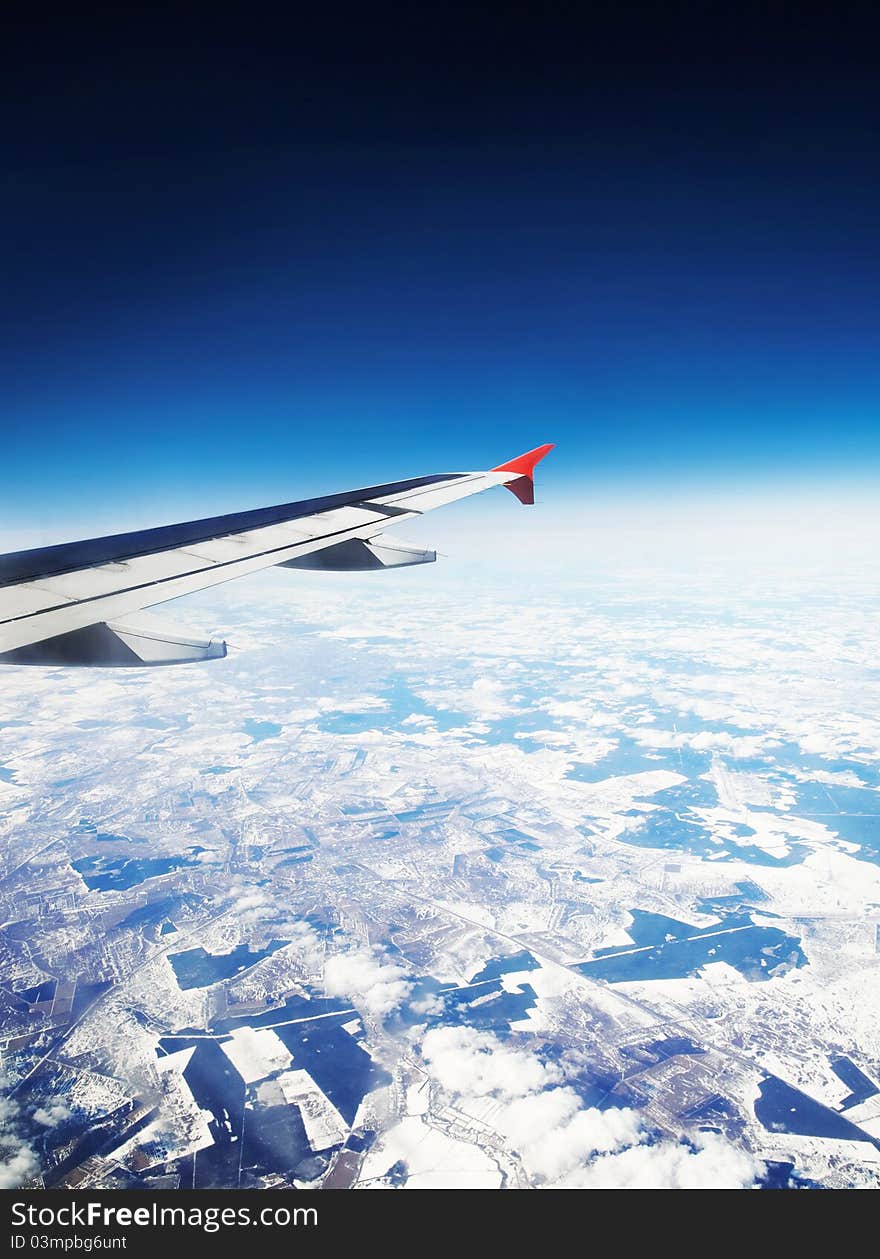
443	882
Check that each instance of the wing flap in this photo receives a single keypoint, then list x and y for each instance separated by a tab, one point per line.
359	556
120	644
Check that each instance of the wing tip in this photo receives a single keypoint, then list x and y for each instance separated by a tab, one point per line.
523	483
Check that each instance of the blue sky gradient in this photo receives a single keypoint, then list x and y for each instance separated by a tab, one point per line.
217	296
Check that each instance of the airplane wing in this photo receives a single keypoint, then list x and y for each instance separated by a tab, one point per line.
82	603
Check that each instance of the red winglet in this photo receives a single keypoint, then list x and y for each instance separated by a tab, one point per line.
524	485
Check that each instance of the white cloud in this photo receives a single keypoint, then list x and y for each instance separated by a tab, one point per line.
305	942
555	1136
427	1005
326	704
255	908
53	1114
484	698
18	1162
252	904
369	979
563	1144
709	1163
255	900
476	1063
487	699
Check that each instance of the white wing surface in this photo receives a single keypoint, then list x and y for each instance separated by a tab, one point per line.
81	603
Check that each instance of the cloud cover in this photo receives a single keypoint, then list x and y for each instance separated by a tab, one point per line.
18	1162
563	1144
366	976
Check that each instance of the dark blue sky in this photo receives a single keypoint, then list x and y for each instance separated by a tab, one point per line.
246	261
